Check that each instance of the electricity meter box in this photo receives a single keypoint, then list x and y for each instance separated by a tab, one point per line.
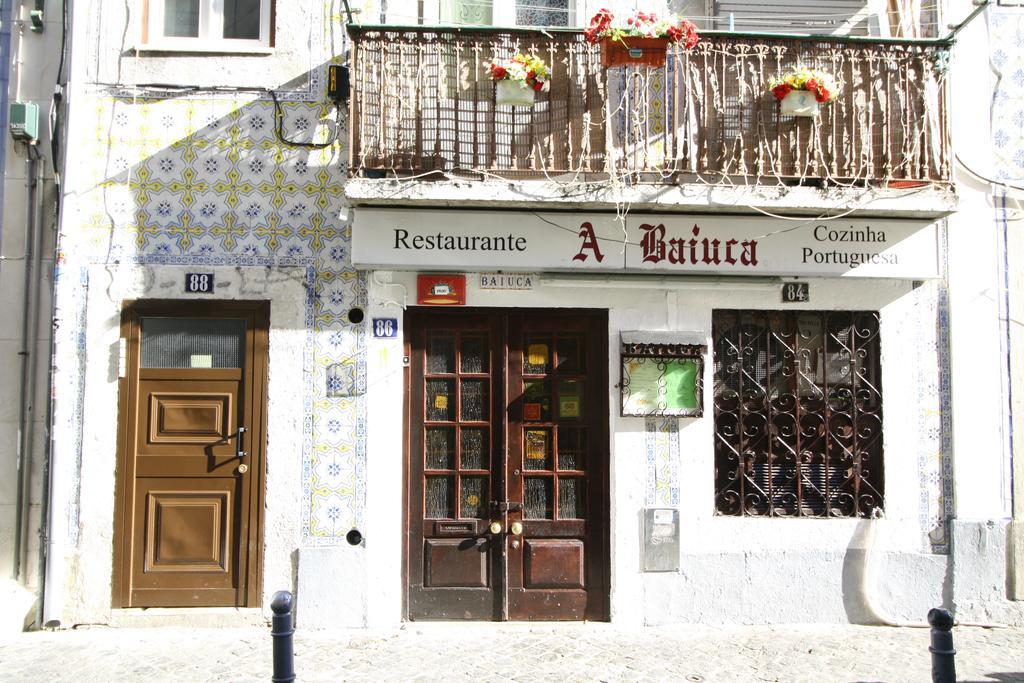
24	121
661	540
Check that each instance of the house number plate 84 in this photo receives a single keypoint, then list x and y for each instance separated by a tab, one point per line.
796	292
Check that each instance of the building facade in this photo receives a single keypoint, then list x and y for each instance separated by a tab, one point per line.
647	350
30	46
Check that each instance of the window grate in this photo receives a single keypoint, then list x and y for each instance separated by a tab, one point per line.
798	413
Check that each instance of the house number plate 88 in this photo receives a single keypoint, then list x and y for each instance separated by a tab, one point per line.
796	292
198	283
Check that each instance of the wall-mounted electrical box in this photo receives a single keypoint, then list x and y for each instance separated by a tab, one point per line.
337	82
24	121
661	540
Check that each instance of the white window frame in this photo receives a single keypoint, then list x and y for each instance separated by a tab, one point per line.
506	15
211	30
503	13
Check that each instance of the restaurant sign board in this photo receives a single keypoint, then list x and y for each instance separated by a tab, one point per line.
713	244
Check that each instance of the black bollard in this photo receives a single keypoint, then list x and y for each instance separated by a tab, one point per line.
943	665
281	631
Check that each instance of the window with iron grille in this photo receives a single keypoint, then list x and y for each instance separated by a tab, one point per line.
798	413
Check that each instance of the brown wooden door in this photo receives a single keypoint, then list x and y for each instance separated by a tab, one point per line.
190	469
507	472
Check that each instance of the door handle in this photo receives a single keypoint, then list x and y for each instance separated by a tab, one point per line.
240	451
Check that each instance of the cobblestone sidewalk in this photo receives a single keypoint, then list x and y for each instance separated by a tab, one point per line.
513	652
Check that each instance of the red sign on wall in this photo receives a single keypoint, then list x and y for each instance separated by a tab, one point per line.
441	290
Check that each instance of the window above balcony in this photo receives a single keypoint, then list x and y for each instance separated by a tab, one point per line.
499	12
240	26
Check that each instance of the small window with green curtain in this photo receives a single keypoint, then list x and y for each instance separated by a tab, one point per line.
662	379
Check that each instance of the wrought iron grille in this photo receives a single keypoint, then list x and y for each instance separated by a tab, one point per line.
798	413
423	102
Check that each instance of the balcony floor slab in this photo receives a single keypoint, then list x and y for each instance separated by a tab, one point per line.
926	201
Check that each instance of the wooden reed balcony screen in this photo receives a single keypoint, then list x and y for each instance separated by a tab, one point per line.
423	104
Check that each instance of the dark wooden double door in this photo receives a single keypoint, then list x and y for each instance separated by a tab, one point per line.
507	477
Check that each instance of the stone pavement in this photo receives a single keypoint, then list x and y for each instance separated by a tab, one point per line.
513	652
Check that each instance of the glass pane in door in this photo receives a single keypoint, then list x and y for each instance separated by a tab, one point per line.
538	498
474	449
475	400
192	343
440	400
474	354
440	448
440	497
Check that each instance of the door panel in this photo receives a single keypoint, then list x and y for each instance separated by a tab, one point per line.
451	564
535	381
187	530
189	510
453	560
555	461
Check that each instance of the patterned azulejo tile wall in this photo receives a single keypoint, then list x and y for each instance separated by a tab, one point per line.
206	181
1006	27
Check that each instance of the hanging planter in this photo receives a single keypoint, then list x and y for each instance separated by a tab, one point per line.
799	103
633	51
802	91
513	93
642	41
517	80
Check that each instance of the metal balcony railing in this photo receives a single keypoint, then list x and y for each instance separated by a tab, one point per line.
424	105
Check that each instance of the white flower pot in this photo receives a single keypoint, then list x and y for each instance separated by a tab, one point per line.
509	92
799	103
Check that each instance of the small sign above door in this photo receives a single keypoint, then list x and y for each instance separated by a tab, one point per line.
441	290
508	280
385	328
796	292
198	283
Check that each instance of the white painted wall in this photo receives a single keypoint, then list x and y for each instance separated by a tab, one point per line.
32	72
975	270
732	569
88	576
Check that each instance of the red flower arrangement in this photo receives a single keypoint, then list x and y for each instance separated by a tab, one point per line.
818	83
527	69
642	25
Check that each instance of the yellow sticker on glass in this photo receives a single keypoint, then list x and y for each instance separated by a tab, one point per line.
537	354
441	402
569	406
536	444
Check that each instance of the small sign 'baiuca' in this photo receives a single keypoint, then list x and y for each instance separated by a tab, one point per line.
519	281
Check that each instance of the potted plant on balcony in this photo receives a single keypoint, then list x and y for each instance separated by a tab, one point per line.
517	80
641	41
801	91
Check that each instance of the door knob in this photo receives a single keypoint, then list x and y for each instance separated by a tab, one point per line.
495	527
516	528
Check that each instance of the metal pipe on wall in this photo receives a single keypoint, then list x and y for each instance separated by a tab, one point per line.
27	353
53	518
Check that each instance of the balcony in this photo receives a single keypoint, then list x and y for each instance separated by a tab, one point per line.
423	106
